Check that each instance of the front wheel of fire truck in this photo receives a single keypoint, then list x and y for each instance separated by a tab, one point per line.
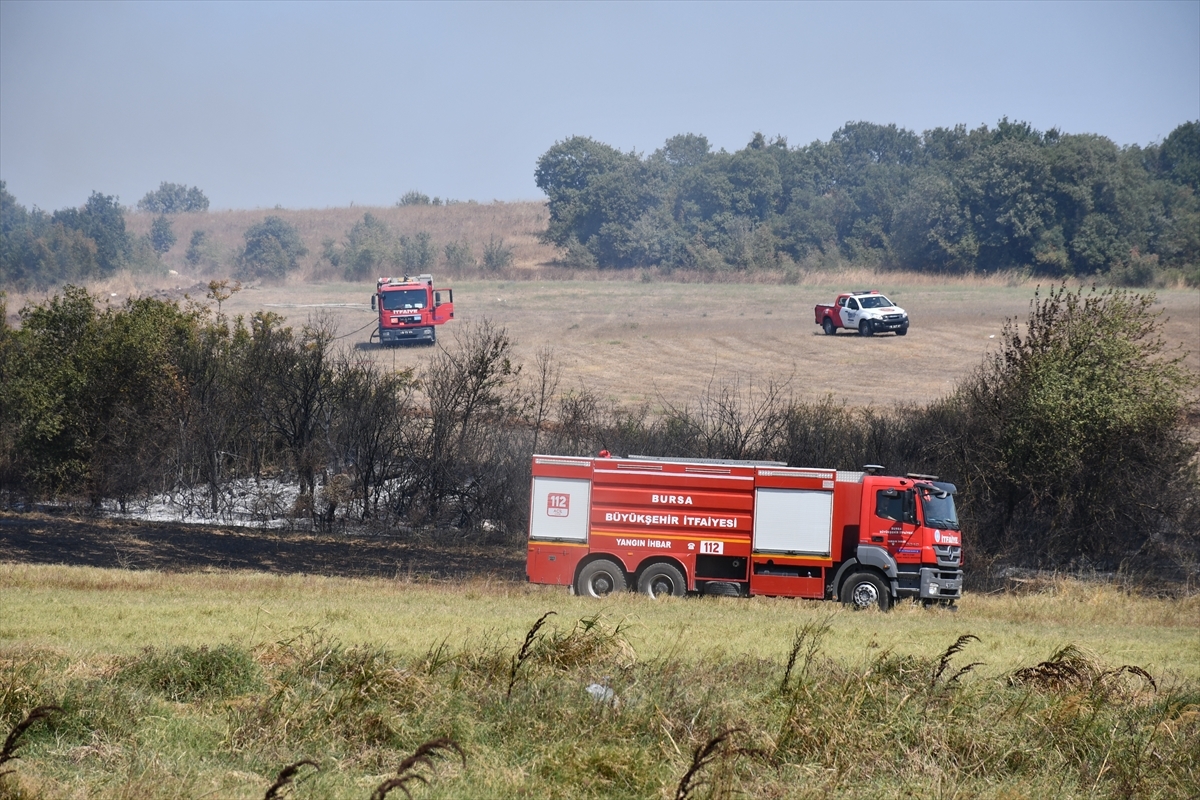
662	580
600	579
865	590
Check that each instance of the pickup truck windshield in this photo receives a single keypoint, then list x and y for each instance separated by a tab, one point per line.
874	301
403	299
938	508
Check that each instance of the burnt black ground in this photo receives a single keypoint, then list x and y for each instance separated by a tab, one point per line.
172	547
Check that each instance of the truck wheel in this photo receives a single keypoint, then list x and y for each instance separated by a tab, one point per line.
866	328
662	580
830	328
432	336
902	331
864	590
600	579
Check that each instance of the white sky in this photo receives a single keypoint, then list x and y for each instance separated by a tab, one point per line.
313	105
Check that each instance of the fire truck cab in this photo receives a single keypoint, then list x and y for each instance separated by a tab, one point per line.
736	528
409	309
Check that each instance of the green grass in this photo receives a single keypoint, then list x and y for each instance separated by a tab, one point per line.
209	684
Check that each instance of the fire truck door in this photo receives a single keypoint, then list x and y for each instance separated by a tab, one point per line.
559	509
894	523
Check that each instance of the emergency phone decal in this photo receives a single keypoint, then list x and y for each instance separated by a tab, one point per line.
558	504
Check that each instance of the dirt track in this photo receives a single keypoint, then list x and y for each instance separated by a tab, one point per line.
49	539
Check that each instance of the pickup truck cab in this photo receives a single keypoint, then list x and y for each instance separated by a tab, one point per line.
867	312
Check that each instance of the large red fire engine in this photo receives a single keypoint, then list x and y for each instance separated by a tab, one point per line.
410	308
737	528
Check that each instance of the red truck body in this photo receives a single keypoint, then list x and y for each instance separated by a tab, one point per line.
410	309
739	528
867	312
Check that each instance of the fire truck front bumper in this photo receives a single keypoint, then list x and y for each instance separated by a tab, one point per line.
397	335
940	584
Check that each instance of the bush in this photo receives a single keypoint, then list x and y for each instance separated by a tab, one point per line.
1076	440
273	249
162	238
183	674
497	255
173	198
459	256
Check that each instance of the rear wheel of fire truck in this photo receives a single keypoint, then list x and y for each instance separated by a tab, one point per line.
662	580
866	328
864	590
830	328
600	579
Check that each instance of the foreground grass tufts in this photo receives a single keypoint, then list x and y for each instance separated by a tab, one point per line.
184	674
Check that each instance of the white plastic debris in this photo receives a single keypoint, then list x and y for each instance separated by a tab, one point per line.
601	693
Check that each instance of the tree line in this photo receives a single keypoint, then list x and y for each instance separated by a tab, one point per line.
1070	445
950	200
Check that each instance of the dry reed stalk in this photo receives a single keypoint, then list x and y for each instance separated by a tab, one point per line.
9	751
520	657
950	652
422	756
286	776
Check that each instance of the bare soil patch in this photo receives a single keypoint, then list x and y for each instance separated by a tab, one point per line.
177	547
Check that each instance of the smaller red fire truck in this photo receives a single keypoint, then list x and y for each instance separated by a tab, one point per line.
737	528
410	309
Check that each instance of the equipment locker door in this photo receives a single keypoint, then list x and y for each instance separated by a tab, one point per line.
559	509
798	521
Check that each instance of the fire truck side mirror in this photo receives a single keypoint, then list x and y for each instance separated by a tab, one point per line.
372	302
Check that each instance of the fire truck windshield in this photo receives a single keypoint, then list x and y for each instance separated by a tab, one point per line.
874	301
402	299
938	508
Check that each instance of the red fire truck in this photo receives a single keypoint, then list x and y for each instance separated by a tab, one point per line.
737	528
410	308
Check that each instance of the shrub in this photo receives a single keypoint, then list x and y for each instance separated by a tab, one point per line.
184	674
162	238
173	198
497	255
273	249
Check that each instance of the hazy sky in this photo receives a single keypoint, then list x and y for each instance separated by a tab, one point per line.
315	105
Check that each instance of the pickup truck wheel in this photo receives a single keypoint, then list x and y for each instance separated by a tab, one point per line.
864	590
866	328
902	331
830	328
600	579
662	580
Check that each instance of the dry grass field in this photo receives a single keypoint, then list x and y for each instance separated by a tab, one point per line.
632	341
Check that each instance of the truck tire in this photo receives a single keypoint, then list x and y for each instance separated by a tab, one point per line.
866	328
662	580
432	336
830	328
600	579
865	589
902	331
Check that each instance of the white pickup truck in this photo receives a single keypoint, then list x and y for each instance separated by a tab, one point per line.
866	312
